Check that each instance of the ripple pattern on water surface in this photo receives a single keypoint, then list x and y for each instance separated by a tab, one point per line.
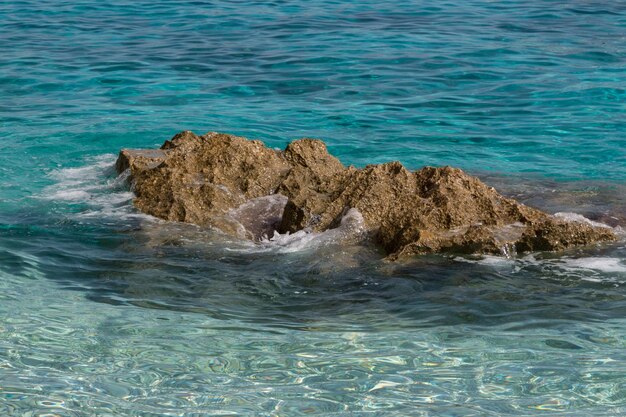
533	87
114	360
104	311
170	319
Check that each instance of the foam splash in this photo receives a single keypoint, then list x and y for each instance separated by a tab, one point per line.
96	186
79	184
351	229
575	217
588	268
257	218
601	264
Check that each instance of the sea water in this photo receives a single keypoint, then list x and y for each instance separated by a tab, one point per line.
108	312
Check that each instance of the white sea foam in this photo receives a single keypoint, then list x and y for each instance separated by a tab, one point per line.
352	225
96	186
602	264
575	217
587	268
590	268
496	261
69	195
351	228
258	217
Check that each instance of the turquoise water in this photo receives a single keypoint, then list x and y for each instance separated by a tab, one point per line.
107	312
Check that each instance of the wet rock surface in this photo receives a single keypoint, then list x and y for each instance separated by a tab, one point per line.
248	190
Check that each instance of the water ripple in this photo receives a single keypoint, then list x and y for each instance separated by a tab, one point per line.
105	311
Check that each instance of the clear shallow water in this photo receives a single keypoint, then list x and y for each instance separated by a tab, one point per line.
104	311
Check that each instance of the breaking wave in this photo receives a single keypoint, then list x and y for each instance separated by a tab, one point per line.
95	189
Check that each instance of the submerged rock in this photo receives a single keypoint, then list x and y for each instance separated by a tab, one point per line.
248	190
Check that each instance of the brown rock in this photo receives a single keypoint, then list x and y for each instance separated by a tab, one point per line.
197	179
246	189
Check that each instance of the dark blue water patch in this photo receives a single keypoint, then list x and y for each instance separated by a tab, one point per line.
141	266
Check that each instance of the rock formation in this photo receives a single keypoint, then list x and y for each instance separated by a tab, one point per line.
246	189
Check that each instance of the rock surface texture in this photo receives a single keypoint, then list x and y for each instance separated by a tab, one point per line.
248	190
